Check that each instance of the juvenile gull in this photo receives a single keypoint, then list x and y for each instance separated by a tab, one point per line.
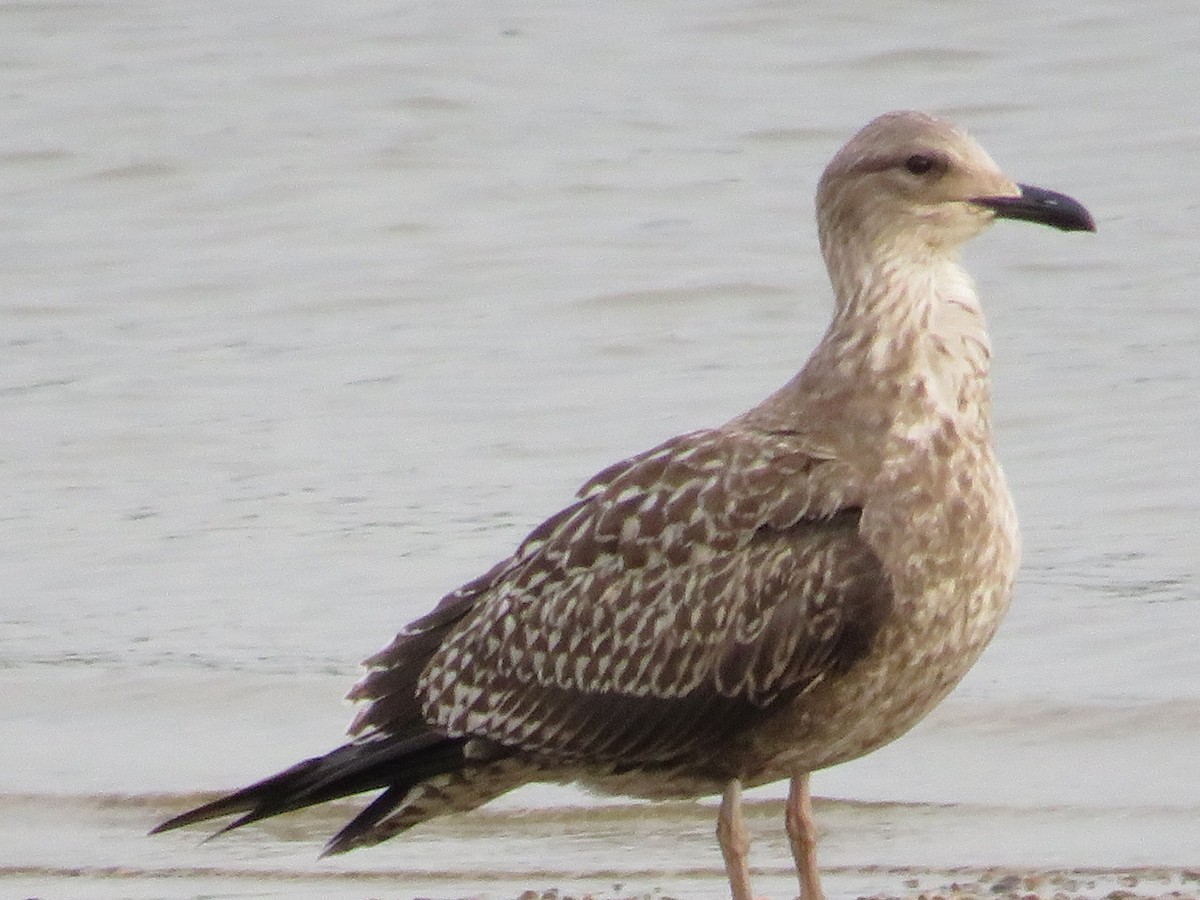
744	604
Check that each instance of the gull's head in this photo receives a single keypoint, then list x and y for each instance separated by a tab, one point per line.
913	184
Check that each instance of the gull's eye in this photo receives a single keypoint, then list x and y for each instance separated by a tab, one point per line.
920	164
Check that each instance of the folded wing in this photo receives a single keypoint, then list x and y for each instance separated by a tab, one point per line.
688	590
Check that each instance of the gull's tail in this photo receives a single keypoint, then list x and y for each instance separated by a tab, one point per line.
400	763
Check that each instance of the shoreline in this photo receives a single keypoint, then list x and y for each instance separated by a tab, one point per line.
96	848
863	882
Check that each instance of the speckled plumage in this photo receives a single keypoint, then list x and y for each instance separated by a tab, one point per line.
743	604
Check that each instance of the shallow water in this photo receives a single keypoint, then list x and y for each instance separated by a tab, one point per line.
310	312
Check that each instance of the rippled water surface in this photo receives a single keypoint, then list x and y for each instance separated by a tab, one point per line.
310	311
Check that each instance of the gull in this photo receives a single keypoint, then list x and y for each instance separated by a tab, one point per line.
743	604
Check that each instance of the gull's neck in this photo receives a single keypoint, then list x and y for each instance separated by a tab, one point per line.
909	320
907	348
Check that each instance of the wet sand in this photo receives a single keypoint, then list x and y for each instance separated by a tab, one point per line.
97	848
905	884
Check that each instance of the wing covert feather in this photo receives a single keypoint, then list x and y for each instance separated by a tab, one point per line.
708	575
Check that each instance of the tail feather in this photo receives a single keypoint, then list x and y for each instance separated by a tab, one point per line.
362	824
397	810
397	762
440	761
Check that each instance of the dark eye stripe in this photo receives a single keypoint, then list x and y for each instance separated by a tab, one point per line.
920	164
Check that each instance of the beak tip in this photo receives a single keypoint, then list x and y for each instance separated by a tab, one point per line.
1045	207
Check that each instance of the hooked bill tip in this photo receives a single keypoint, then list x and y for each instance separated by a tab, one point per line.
1045	207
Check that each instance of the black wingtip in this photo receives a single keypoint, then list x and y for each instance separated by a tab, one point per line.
221	807
395	762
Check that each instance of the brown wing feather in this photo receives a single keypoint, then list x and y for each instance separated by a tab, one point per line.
391	680
691	587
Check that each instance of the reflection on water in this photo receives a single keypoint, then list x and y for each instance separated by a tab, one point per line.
310	313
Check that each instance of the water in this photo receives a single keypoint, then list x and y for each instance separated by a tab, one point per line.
310	312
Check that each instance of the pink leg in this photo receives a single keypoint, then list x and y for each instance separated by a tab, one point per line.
802	832
734	838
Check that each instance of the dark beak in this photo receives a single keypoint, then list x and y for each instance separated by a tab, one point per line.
1040	205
